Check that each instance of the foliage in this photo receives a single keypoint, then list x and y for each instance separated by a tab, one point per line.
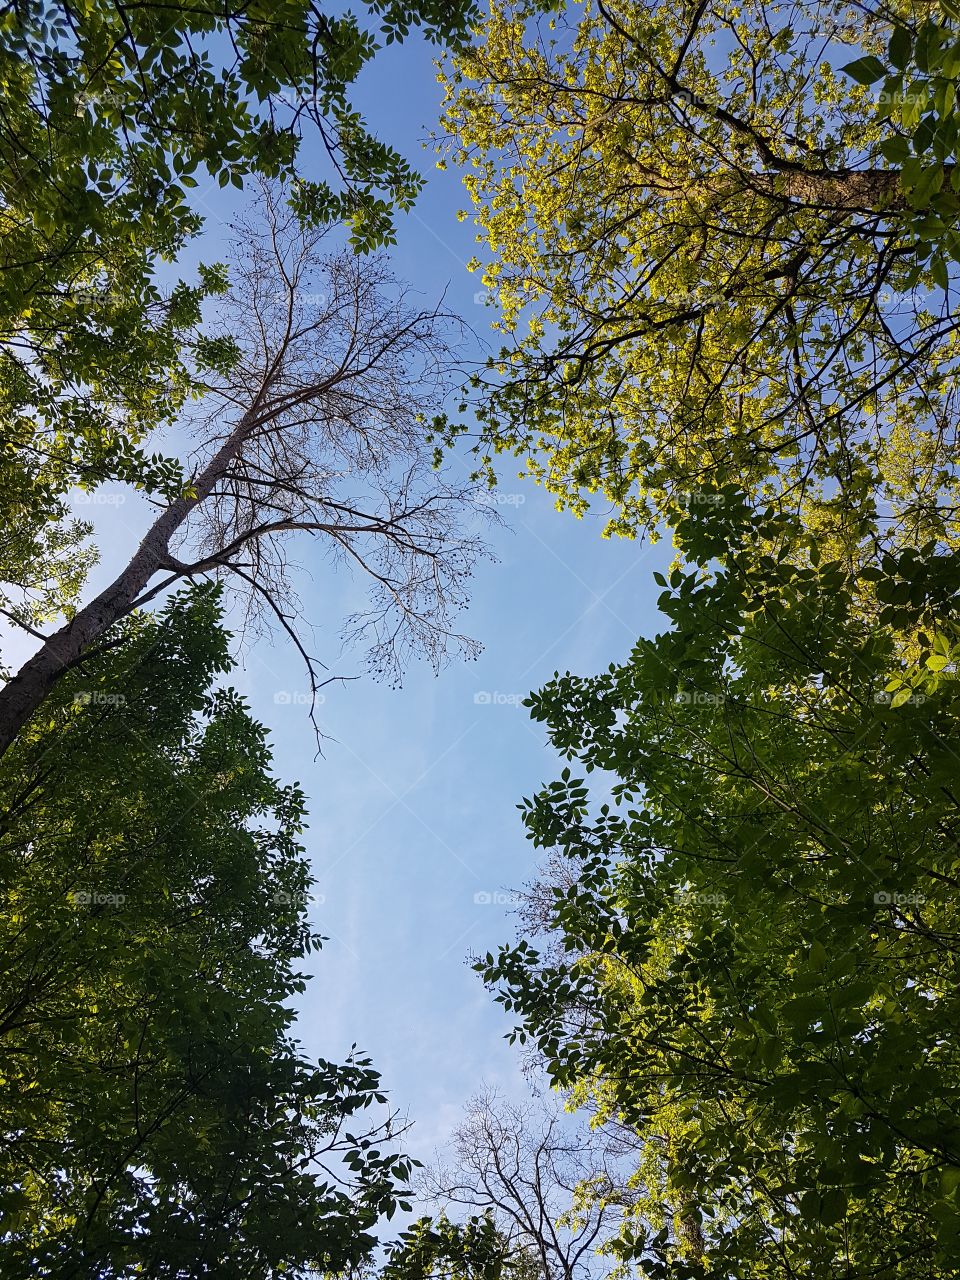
158	1117
918	97
706	265
754	962
438	1249
44	566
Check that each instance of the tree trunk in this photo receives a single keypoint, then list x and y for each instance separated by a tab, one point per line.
872	190
23	694
865	190
686	1221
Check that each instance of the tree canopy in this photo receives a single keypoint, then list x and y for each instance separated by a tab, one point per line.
723	242
158	1116
717	256
752	961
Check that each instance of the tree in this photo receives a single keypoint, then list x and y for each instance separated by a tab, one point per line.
43	566
317	427
438	1249
112	116
157	1116
752	964
711	250
550	1189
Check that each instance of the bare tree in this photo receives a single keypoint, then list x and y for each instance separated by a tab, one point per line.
551	1188
319	428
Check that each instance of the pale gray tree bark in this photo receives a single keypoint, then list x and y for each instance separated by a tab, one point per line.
320	427
528	1165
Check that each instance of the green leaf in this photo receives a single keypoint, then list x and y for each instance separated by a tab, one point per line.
865	70
899	48
833	1205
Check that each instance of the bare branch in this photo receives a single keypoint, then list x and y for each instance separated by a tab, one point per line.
321	427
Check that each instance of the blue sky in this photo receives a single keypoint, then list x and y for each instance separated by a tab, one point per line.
413	807
414	835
